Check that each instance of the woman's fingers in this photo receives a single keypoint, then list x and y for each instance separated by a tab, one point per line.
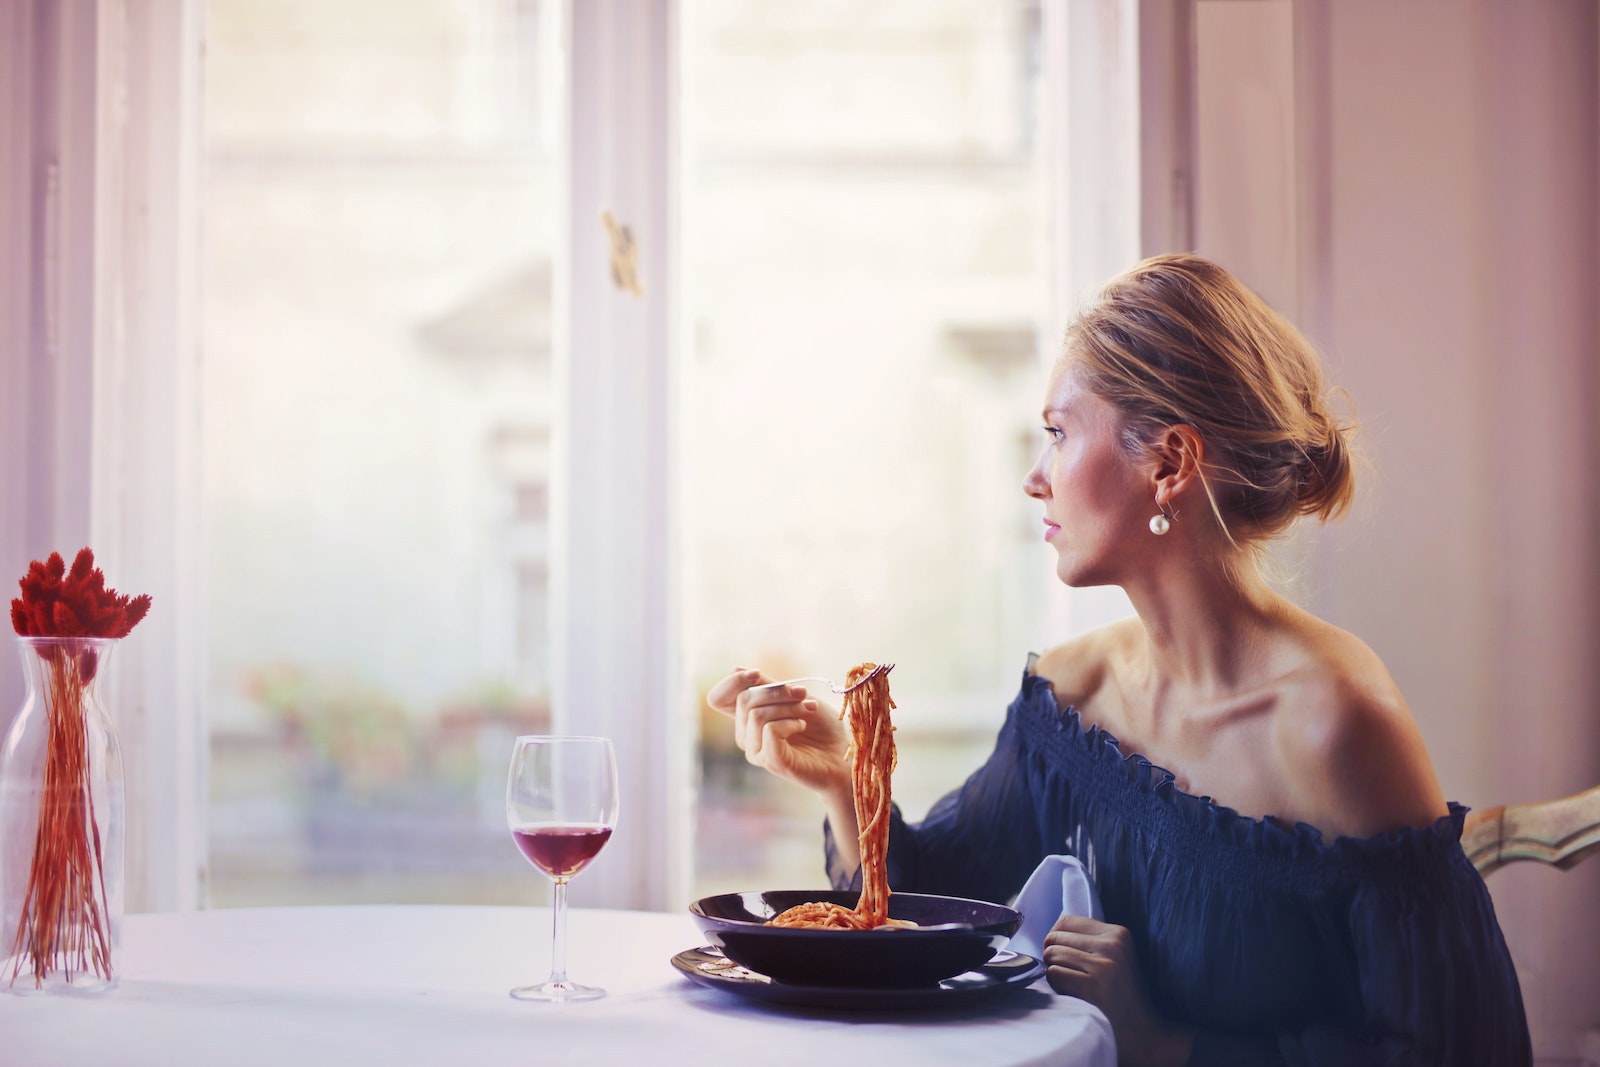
1086	958
1070	983
1072	970
1088	935
1074	960
781	729
724	696
758	706
1078	954
762	695
751	722
774	736
1081	925
1097	962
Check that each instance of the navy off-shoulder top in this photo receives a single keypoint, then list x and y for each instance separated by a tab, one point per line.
1281	948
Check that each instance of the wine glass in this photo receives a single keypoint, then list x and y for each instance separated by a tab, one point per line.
561	805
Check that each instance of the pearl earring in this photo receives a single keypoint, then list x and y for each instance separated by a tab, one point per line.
1159	523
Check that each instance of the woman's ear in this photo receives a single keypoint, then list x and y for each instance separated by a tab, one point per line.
1180	455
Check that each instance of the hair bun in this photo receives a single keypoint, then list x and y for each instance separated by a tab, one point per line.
1327	480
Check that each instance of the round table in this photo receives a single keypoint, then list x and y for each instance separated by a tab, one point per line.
429	985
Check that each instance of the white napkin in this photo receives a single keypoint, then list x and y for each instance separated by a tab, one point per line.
1058	886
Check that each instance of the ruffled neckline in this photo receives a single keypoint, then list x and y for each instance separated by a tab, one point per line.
1270	839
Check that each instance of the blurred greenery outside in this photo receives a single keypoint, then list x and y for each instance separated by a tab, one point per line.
350	792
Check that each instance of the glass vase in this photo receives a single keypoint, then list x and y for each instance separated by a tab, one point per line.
62	825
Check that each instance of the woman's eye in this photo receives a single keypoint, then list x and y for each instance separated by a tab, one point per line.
1053	433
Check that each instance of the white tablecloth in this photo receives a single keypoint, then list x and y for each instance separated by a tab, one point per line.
397	986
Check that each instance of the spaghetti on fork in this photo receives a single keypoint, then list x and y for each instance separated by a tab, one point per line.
872	759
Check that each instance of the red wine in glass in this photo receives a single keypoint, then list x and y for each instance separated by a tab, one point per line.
561	851
561	805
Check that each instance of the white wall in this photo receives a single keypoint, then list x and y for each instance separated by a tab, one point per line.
1442	236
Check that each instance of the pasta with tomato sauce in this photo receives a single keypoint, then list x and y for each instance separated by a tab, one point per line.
872	762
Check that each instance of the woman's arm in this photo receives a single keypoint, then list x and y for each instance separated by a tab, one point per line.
1432	981
980	840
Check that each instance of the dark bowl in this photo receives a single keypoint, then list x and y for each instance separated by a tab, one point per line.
952	936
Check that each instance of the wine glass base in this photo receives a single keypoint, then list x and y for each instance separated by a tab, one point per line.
557	992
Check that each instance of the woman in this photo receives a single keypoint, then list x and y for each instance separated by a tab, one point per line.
1320	910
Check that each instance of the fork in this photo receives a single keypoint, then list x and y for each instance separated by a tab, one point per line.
882	668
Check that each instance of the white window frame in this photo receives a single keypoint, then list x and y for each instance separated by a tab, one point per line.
99	311
614	541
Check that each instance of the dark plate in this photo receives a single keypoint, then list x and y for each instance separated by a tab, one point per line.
952	936
1006	971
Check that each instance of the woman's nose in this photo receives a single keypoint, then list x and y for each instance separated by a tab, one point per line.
1036	484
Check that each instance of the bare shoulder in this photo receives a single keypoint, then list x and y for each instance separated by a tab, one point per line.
1077	669
1354	758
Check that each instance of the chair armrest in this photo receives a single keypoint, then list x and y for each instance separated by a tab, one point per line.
1561	832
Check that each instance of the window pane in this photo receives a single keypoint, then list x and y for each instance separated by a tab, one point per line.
377	335
866	275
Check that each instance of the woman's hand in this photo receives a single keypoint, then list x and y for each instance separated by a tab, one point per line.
783	732
1095	961
795	738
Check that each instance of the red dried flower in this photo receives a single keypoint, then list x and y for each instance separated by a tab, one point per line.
56	602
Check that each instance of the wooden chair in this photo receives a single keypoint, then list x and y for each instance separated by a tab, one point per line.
1561	832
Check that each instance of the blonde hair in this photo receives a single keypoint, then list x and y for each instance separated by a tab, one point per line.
1179	340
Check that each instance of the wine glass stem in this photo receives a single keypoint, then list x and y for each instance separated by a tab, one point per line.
558	942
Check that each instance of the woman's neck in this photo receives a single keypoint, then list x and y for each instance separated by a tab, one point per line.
1208	622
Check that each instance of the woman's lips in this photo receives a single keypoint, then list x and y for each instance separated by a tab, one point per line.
1050	529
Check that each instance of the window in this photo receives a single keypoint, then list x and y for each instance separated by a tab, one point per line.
863	246
379	209
422	519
